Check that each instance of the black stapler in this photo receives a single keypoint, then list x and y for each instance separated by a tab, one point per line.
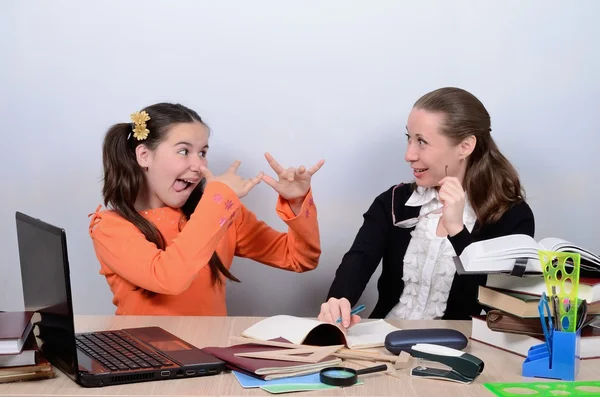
464	367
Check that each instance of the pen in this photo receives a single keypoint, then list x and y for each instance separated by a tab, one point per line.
356	310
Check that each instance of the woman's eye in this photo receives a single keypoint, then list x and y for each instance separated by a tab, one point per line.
184	152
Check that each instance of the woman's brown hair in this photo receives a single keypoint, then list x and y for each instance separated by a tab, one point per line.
124	177
491	182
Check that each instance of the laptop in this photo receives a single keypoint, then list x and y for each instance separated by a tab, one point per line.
100	358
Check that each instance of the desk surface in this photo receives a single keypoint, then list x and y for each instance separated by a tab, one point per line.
500	366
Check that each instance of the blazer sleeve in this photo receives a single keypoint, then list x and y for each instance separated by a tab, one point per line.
462	302
361	261
121	246
517	220
297	250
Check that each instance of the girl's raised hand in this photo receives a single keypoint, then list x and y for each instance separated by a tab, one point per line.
239	185
293	183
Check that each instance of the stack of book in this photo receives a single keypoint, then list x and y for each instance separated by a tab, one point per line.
20	356
513	323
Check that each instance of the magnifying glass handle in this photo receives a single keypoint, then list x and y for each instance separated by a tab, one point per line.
370	370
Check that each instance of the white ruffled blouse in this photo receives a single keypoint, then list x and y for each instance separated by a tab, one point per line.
428	265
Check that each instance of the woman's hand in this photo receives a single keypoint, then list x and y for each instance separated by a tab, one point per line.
452	196
334	308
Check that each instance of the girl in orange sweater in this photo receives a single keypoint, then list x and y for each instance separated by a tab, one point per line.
168	237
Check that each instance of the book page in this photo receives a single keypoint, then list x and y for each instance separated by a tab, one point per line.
506	247
558	244
294	329
508	243
369	334
499	253
553	243
590	260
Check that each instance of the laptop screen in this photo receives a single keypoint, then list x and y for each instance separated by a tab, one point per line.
47	290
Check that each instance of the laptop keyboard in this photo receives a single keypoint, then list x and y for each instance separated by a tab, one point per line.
117	351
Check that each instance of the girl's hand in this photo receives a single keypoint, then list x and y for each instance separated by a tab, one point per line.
239	185
293	183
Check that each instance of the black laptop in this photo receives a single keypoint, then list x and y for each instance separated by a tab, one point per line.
97	358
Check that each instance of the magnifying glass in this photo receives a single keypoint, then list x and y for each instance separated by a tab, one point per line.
341	376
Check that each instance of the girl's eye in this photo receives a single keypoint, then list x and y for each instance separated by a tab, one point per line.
203	153
184	152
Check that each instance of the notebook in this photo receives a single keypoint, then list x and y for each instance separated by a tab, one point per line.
25	357
267	369
300	330
15	327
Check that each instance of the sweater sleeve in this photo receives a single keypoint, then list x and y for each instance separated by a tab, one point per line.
122	247
361	261
297	250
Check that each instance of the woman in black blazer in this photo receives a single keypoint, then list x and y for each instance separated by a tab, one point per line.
464	189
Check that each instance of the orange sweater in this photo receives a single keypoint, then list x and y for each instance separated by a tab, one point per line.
180	274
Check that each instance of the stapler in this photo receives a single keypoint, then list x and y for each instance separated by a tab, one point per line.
464	367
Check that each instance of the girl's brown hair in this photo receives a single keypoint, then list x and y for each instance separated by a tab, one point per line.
124	177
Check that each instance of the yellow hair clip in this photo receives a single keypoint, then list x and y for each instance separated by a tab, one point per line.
140	132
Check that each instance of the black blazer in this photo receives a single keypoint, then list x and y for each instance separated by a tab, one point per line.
378	238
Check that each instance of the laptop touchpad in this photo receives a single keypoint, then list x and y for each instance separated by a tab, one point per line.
171	346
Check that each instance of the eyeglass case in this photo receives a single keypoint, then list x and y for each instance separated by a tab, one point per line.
402	340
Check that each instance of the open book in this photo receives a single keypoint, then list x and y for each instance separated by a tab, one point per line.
498	255
299	330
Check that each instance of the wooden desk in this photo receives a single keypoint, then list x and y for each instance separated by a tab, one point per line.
500	366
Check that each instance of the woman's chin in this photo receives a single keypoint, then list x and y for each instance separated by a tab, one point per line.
425	183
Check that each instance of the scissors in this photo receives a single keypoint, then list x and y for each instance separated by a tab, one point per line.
544	311
582	313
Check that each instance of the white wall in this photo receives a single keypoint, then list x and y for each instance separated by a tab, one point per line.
303	80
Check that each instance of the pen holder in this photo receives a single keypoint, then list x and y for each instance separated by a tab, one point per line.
560	362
